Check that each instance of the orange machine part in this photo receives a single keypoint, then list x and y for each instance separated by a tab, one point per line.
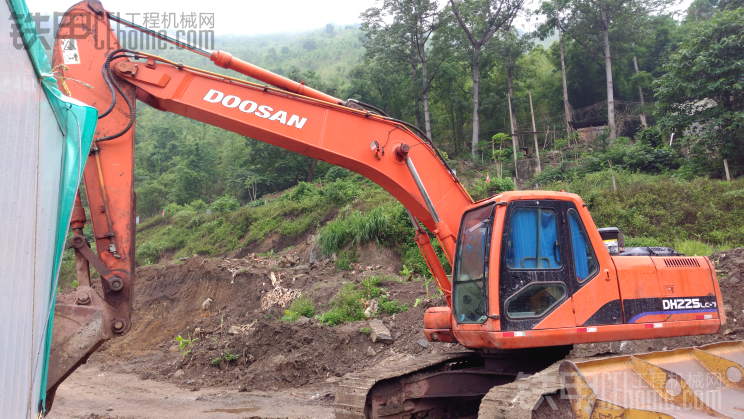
619	280
335	134
112	169
438	325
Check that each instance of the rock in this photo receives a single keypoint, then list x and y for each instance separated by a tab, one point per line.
423	342
303	268
372	308
108	409
197	331
370	351
207	304
234	330
183	259
379	333
734	280
286	262
728	332
303	320
190	382
729	310
178	373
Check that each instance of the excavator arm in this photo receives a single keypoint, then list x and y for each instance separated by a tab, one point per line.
93	68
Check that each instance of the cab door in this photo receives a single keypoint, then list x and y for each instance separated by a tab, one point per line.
596	294
535	276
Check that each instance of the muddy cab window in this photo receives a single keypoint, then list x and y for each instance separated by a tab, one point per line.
532	240
535	299
470	276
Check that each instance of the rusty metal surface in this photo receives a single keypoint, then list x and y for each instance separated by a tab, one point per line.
694	382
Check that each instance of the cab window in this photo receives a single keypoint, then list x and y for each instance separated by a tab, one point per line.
532	240
535	300
470	276
585	262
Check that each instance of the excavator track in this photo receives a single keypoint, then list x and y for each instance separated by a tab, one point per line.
351	397
537	396
438	386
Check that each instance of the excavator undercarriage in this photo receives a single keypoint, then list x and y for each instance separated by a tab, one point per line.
696	382
444	385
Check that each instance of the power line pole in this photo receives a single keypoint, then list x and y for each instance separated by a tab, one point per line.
534	130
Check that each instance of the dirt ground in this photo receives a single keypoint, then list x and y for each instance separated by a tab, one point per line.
282	369
92	394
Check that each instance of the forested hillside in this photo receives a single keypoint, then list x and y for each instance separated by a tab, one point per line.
663	92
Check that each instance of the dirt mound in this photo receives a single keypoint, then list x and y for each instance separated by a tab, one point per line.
244	346
729	267
240	344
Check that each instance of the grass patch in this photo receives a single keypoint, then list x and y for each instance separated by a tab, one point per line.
660	210
348	305
693	248
345	259
300	307
196	229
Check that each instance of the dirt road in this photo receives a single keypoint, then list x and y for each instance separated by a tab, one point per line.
91	393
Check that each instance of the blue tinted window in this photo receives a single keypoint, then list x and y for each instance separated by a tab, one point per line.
532	241
584	261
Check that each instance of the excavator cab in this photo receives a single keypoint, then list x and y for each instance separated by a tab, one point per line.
532	270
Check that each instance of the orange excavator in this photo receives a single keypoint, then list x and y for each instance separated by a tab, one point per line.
532	274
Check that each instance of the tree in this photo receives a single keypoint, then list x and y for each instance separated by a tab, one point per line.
480	20
511	47
400	31
545	30
588	23
702	94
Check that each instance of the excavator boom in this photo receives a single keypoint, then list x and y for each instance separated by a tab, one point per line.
94	69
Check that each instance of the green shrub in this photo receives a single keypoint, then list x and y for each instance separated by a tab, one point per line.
300	307
149	253
172	209
197	205
335	173
225	204
300	192
642	242
345	259
551	174
414	261
391	306
355	228
340	192
496	185
230	356
347	305
663	209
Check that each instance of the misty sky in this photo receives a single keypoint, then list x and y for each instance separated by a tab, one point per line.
250	17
